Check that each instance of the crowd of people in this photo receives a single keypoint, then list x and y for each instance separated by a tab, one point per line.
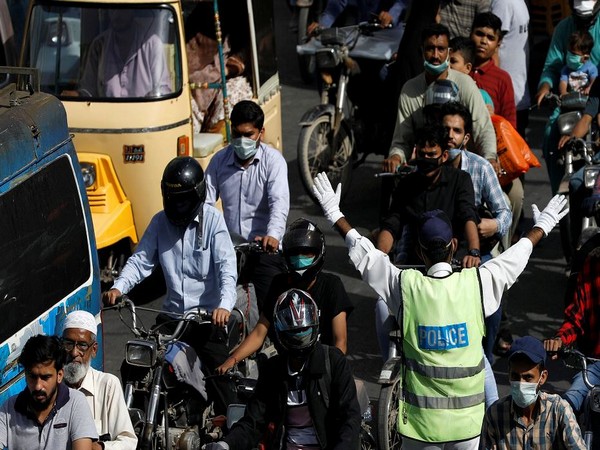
453	208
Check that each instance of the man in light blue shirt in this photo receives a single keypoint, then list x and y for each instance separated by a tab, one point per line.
190	240
250	178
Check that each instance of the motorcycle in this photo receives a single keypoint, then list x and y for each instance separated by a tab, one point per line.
307	11
575	154
347	121
165	392
590	417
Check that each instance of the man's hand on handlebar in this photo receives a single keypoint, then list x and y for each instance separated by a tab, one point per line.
227	365
220	317
269	243
553	346
541	94
312	29
392	163
111	296
385	19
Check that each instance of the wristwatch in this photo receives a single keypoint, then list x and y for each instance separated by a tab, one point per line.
474	252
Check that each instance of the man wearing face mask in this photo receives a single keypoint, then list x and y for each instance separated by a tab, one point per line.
434	185
529	417
189	239
410	116
250	178
303	248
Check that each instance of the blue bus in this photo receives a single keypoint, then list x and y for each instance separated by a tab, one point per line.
48	257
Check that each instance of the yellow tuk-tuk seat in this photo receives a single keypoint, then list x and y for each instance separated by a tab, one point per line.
206	144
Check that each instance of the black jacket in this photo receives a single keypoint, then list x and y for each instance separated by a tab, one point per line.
337	427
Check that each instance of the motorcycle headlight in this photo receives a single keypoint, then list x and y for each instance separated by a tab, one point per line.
327	58
88	172
567	121
590	174
140	353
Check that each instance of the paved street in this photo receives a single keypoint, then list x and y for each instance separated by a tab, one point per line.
534	304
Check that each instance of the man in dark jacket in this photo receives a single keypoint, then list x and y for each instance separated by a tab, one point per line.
307	391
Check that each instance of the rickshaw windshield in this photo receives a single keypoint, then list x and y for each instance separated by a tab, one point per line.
105	52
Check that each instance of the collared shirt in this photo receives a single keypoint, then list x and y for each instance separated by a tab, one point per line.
582	313
367	9
487	189
554	426
199	263
498	84
256	199
458	15
104	396
69	420
497	274
410	115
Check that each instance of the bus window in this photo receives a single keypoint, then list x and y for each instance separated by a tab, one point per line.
45	253
106	53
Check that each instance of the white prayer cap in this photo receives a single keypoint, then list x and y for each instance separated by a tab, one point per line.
81	320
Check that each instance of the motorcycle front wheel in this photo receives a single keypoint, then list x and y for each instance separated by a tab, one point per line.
387	416
315	154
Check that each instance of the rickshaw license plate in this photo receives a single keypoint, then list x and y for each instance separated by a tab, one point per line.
133	153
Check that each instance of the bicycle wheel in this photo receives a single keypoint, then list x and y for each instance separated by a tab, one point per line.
387	417
315	154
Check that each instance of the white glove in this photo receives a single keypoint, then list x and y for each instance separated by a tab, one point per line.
328	199
551	215
221	445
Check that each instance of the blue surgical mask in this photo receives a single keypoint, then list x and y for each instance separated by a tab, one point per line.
574	61
433	69
244	147
523	393
453	153
299	262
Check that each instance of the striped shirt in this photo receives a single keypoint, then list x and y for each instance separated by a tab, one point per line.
554	426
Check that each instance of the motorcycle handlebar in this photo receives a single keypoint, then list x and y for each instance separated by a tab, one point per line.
577	360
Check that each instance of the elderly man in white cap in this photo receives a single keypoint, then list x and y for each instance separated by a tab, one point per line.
102	390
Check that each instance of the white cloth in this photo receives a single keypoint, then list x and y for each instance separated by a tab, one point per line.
105	398
81	320
514	50
497	274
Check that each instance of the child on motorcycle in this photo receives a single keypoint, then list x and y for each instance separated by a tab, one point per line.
579	73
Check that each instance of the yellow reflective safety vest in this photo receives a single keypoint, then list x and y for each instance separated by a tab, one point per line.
443	384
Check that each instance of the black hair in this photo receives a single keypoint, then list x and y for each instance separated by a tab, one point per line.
434	29
246	111
437	251
41	349
488	20
458	109
431	135
581	40
464	46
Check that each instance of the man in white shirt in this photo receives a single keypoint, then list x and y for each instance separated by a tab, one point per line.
443	377
102	390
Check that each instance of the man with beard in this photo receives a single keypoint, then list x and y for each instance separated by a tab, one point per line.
102	390
46	414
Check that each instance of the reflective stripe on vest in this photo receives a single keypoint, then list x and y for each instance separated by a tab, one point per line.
442	324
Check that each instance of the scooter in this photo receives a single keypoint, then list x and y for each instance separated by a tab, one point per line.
590	417
346	122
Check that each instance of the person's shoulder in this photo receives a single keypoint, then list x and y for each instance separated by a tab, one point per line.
221	155
271	153
554	401
414	85
496	409
464	81
328	277
105	377
76	398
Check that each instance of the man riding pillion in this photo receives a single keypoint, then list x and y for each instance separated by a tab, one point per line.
190	240
441	316
307	391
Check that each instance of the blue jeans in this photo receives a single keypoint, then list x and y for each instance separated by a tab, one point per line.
578	391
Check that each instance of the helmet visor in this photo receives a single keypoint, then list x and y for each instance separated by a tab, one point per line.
181	207
296	316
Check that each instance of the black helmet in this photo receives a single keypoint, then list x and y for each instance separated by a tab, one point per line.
296	322
183	190
301	238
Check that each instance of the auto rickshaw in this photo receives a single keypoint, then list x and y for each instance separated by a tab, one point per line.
136	79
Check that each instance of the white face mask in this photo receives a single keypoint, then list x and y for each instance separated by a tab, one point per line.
584	7
523	393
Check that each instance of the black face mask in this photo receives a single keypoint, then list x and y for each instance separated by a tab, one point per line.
427	165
